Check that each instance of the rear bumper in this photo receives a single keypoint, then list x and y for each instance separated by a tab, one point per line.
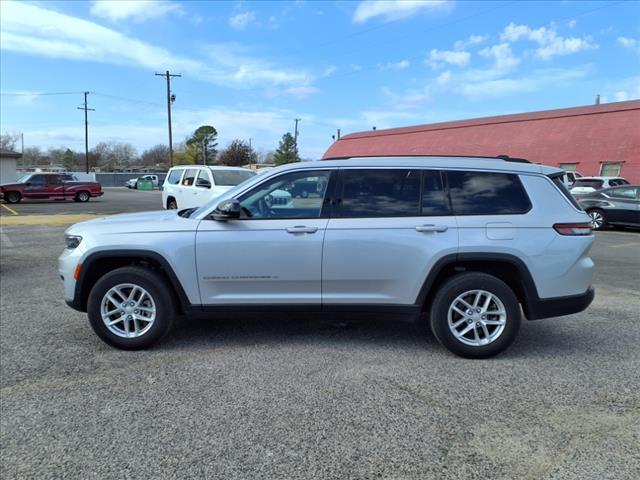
559	306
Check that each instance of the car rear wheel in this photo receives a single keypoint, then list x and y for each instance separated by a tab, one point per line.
12	197
475	315
598	220
131	308
83	196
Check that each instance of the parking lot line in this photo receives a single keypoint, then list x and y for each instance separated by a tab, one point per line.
13	212
51	220
624	245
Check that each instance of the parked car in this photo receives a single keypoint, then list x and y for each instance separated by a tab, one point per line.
49	186
570	177
382	238
189	186
591	184
613	206
133	182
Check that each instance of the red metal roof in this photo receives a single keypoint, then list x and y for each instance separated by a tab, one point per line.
587	136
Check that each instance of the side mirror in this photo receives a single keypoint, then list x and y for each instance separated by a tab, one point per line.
202	183
28	184
227	210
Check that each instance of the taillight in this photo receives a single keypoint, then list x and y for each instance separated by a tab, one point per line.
573	228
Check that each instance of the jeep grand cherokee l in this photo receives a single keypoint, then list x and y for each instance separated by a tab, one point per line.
468	243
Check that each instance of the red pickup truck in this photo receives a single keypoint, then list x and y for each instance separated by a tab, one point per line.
49	186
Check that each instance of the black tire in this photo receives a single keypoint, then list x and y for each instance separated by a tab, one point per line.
157	288
83	196
598	218
304	194
172	204
457	286
12	197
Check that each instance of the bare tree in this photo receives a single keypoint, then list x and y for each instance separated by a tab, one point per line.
238	153
9	141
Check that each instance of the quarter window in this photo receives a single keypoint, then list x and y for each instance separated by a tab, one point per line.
174	177
623	192
380	193
281	197
483	193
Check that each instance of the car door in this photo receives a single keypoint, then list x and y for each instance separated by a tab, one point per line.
55	187
187	192
36	188
384	236
270	256
202	188
622	205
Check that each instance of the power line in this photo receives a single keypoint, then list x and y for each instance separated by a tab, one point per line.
36	94
125	99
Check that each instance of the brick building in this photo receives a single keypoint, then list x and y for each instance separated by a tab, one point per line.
594	140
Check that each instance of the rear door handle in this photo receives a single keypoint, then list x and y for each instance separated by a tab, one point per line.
302	229
432	228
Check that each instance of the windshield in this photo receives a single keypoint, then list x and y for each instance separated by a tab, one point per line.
583	182
24	178
210	205
231	178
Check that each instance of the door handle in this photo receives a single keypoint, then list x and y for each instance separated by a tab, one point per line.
301	229
432	228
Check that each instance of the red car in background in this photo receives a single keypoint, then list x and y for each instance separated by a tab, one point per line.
49	186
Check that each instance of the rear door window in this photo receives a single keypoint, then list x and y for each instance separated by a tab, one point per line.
230	178
379	193
486	193
189	177
174	176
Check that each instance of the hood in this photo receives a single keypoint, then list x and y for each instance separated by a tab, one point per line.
14	184
156	221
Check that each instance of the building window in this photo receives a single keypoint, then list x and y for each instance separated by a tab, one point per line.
610	169
568	167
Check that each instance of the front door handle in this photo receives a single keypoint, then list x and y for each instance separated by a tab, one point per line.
432	228
302	229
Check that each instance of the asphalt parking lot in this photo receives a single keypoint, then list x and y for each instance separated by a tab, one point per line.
299	398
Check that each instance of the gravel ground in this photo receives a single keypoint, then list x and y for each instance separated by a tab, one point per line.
296	398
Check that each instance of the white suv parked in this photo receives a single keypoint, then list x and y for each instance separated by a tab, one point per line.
187	186
467	241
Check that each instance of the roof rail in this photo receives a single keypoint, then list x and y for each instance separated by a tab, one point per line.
506	158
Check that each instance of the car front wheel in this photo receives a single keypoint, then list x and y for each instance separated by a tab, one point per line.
597	218
131	308
172	205
475	315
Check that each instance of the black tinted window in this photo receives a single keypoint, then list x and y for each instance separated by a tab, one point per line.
434	199
380	193
482	193
174	177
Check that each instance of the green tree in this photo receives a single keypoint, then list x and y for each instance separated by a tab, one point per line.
238	153
204	142
68	160
287	151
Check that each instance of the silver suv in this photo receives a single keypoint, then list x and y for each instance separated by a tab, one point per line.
467	243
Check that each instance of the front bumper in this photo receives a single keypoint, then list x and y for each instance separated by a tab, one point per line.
559	306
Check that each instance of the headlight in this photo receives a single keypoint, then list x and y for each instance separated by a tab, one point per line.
72	241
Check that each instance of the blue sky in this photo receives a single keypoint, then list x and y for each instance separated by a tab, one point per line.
250	68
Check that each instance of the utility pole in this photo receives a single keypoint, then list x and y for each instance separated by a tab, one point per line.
170	99
338	134
295	135
86	108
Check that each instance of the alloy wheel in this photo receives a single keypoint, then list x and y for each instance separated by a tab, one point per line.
597	219
477	317
128	310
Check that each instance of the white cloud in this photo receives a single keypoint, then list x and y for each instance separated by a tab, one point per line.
408	100
401	65
550	44
630	43
395	9
572	23
298	92
33	30
330	70
502	55
453	57
136	10
385	119
469	42
240	21
443	78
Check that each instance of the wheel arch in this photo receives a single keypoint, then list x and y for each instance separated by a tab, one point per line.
508	268
99	263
